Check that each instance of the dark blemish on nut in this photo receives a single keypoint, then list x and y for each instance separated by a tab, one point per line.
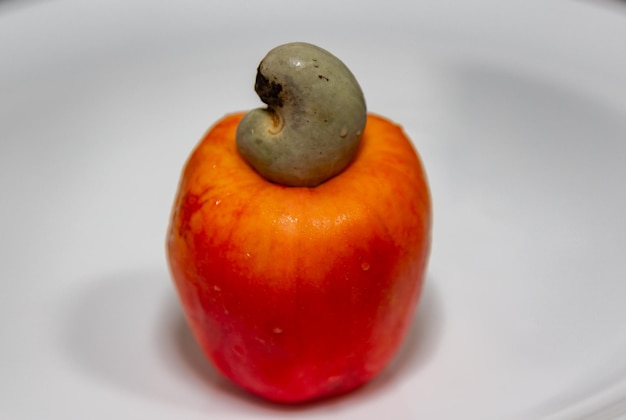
269	91
320	76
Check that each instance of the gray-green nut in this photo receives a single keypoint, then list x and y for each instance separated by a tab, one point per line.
314	120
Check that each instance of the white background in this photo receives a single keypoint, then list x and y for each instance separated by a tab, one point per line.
518	109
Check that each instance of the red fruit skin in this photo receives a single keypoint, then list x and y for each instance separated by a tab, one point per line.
301	293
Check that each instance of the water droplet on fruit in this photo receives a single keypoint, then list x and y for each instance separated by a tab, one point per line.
238	350
343	132
365	266
334	381
277	330
217	288
217	202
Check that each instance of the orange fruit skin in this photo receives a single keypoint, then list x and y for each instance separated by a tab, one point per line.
300	293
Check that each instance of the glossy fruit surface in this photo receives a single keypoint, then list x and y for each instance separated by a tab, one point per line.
296	293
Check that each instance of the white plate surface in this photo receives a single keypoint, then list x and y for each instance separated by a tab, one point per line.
517	107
